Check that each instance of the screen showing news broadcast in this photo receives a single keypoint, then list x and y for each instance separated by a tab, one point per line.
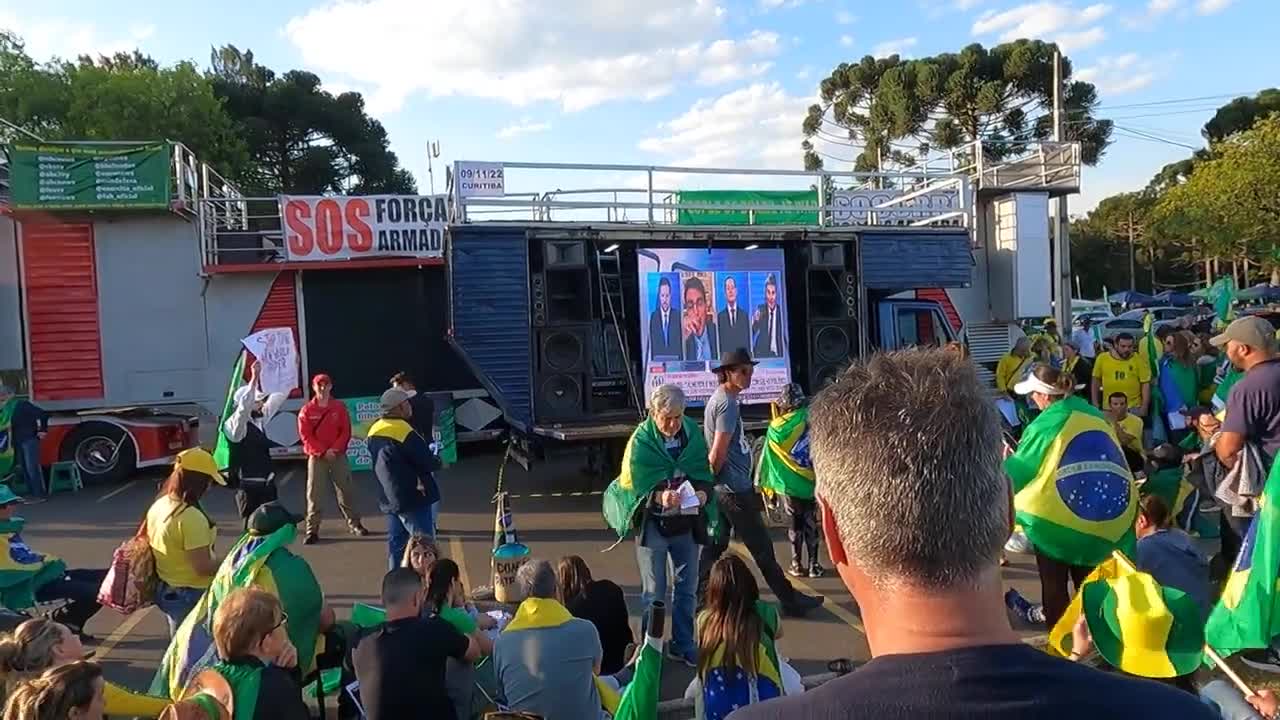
696	303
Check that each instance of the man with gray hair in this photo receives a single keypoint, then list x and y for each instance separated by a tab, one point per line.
546	659
915	507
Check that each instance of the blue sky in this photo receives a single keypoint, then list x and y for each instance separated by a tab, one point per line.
681	82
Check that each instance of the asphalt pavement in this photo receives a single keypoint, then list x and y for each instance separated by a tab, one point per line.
557	512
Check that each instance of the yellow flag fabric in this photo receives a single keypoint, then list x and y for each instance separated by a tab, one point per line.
546	613
1060	635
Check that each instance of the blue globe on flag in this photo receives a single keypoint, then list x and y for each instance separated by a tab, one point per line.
1092	478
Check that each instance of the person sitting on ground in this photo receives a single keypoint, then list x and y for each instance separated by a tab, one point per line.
546	659
420	553
27	576
261	559
1169	555
915	512
41	643
401	664
447	600
250	467
256	658
602	603
181	535
68	692
738	662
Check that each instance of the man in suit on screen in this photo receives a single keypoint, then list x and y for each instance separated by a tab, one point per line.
733	323
768	324
664	326
700	343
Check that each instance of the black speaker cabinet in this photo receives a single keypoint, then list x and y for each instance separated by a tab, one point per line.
831	347
831	295
538	299
568	295
564	254
562	374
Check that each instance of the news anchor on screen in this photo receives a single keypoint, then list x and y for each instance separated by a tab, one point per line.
664	326
768	324
700	335
734	324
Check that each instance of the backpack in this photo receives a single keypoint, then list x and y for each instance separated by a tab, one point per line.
130	584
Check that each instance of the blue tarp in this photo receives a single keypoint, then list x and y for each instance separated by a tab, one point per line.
1175	298
1130	298
1264	292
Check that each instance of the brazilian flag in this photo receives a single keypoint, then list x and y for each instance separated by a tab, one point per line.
261	561
1073	493
1221	294
1138	626
222	450
1248	613
1171	485
640	698
23	571
786	467
646	462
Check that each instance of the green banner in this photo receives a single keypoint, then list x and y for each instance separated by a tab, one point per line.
89	177
365	410
734	207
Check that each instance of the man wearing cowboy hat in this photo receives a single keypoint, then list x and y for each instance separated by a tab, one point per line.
730	458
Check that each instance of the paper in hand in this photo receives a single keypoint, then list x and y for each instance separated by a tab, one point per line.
688	498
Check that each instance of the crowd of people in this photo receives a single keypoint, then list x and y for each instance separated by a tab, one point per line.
903	468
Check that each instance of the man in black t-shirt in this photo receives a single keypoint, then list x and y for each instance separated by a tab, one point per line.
401	665
1253	405
915	512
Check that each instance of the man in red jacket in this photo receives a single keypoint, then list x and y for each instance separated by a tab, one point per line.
325	429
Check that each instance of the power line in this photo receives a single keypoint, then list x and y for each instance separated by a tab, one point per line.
1174	101
1155	138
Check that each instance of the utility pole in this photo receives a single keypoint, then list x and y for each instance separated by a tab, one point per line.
433	151
1133	231
1062	241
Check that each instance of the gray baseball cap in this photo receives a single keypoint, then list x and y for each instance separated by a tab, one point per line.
1251	330
392	398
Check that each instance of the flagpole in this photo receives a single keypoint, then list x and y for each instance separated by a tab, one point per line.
1210	652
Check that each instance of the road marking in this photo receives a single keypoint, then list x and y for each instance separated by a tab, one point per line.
118	490
582	493
455	552
830	606
120	633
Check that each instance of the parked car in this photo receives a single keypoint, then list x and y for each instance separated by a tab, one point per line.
1161	313
1114	326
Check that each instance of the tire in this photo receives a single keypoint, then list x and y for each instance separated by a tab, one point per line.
104	452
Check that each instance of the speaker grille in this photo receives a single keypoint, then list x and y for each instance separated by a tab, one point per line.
832	344
561	395
563	351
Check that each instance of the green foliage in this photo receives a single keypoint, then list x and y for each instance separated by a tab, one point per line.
302	139
1240	114
950	100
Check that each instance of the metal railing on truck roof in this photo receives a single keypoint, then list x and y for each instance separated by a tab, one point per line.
642	195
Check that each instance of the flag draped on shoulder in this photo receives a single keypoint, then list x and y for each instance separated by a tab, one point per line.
1137	625
1248	612
23	571
252	562
222	450
1073	493
786	467
6	436
645	463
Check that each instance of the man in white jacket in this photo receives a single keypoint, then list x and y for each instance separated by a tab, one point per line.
250	468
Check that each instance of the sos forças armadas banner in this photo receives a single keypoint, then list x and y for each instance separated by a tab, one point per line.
319	228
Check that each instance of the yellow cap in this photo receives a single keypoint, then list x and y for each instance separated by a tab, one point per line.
199	460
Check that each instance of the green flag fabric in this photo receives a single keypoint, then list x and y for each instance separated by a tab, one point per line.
6	436
1073	493
222	450
245	682
786	467
1248	612
640	698
1221	294
645	463
23	571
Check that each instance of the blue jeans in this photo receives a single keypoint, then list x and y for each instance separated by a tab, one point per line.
652	551
29	453
1228	701
402	526
176	603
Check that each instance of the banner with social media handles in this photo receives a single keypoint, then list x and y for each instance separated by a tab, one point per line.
696	304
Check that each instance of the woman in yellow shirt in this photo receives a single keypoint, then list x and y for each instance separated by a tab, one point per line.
1013	367
40	644
181	536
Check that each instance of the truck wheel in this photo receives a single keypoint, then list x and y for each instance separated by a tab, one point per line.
104	452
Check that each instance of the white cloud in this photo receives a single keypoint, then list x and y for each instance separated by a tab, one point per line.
1119	74
525	126
526	52
1209	7
755	127
768	5
1155	8
48	37
1071	27
900	46
846	40
804	72
844	17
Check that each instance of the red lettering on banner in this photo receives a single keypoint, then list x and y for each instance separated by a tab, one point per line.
329	227
361	239
300	238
